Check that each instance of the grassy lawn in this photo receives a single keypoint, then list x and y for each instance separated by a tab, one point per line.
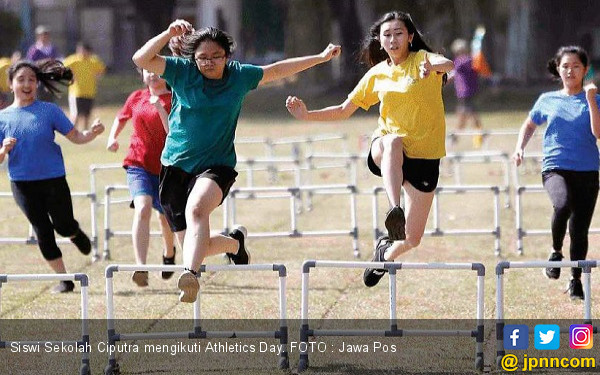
335	293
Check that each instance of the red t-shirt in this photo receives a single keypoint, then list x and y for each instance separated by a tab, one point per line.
148	137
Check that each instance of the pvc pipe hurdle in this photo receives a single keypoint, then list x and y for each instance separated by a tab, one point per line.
439	232
271	165
521	232
488	134
585	265
31	240
293	193
392	267
196	332
84	343
456	159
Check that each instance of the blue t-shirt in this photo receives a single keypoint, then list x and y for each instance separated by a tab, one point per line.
204	114
568	141
36	156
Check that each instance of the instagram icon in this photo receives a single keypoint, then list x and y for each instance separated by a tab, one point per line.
581	336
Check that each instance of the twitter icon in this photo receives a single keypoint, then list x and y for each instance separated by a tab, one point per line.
547	336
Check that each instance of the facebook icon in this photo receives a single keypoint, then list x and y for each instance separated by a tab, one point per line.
516	336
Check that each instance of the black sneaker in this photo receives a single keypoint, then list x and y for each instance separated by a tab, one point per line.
395	223
575	289
166	275
64	286
372	275
82	241
243	255
551	272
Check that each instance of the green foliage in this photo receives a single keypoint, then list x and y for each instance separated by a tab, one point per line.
11	32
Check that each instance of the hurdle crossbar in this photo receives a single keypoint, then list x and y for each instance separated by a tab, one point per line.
437	231
501	267
84	343
197	332
392	267
292	193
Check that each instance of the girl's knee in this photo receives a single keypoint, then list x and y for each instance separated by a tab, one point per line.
50	250
392	142
143	211
413	241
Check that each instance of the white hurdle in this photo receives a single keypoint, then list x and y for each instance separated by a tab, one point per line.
437	231
31	240
521	231
197	332
456	159
306	332
293	193
586	267
83	345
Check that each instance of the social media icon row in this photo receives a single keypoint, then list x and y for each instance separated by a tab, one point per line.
547	336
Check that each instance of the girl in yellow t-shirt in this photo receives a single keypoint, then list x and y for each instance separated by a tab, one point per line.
406	79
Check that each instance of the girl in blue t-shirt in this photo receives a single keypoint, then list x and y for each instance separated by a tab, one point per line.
199	157
35	167
570	164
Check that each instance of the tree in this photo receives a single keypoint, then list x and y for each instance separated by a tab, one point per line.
11	32
152	17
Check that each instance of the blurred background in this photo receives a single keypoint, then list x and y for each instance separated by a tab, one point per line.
521	34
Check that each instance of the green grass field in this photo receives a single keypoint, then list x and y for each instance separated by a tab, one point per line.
335	293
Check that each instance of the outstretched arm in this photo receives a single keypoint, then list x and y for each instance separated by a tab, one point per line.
289	67
86	136
590	93
298	109
148	56
525	134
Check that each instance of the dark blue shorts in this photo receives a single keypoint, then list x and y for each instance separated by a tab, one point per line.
142	182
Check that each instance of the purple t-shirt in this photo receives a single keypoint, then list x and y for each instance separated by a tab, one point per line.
34	53
465	78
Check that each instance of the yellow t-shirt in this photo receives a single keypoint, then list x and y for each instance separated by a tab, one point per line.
85	72
409	106
4	65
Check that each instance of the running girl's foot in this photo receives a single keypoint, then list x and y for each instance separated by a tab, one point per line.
395	223
372	275
166	275
554	272
189	286
82	241
64	286
240	233
140	278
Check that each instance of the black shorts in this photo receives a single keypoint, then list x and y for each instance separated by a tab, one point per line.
175	186
423	174
83	106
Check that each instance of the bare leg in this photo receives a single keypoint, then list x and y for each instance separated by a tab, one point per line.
418	205
387	153
57	265
167	236
141	227
198	243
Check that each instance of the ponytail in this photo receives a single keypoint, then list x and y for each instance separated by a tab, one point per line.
49	73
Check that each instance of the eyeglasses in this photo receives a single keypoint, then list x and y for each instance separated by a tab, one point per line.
206	60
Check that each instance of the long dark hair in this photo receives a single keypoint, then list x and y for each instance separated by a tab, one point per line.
554	62
371	52
49	73
186	45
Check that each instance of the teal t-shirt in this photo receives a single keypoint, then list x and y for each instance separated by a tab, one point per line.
204	113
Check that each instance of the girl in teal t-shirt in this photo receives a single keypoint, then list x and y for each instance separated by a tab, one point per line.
199	157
